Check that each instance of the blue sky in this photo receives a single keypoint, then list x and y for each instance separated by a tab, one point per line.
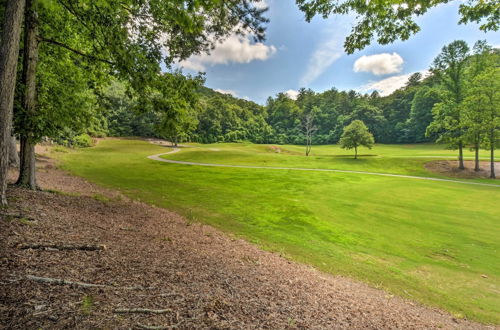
298	54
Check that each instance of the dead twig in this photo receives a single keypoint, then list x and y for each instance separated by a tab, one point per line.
141	311
61	247
82	284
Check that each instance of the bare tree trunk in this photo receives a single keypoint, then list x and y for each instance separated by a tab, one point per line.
356	152
13	155
461	156
27	170
9	53
492	154
476	147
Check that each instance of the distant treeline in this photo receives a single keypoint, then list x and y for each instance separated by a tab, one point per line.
401	117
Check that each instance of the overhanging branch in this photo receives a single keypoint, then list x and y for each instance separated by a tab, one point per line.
75	51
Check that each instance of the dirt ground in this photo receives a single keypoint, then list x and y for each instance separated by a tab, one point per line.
450	168
191	274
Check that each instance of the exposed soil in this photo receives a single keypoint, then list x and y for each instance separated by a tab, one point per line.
198	276
450	168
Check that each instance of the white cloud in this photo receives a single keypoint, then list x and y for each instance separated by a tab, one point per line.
379	64
235	49
261	4
322	58
292	94
328	51
388	85
227	91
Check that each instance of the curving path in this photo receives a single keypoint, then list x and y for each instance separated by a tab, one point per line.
157	157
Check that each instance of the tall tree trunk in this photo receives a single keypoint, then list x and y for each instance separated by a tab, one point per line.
13	155
461	156
27	170
9	53
492	154
476	161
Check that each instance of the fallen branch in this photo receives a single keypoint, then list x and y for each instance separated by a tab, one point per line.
63	282
61	247
141	311
82	284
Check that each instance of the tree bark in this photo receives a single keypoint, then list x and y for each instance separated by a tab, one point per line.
461	156
27	170
9	53
492	154
27	165
476	147
355	152
13	155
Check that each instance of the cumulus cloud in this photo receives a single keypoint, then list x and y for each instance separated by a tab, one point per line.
388	85
379	64
293	94
235	49
261	4
226	91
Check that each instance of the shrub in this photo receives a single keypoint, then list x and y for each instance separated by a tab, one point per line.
83	141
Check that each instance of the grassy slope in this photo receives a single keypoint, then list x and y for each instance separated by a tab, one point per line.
429	241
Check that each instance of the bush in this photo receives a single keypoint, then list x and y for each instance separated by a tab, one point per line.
83	141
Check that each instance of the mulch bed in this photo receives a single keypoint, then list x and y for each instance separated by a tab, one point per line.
450	168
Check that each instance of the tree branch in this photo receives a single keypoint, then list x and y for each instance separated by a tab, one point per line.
75	51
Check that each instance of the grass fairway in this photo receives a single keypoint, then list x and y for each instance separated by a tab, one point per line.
435	242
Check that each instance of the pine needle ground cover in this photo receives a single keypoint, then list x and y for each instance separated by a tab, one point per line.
430	241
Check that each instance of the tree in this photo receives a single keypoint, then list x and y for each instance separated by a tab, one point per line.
390	20
356	135
175	101
309	128
27	176
449	66
9	50
481	60
482	109
421	113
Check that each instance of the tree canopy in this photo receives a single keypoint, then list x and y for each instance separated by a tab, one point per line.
390	20
355	135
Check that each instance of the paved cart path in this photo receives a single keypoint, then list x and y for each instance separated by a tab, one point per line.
158	157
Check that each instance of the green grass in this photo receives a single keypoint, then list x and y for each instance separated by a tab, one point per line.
434	242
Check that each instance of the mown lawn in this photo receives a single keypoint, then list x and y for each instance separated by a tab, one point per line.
434	242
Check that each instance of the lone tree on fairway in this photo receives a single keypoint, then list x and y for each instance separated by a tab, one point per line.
309	128
356	134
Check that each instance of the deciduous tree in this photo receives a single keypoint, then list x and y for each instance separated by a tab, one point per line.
449	66
355	135
9	51
482	110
